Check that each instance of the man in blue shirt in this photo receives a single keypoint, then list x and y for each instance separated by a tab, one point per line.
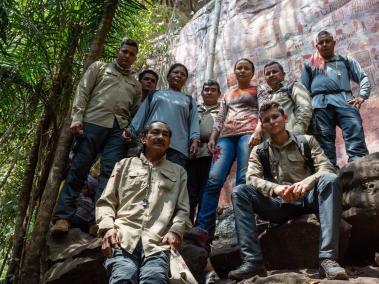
327	77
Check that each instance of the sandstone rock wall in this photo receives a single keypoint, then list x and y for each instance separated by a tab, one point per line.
284	31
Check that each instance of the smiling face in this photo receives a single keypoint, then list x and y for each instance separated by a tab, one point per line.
325	45
244	71
273	121
157	140
126	56
177	78
274	76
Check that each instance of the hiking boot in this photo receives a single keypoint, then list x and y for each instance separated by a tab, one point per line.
247	270
199	236
61	226
332	270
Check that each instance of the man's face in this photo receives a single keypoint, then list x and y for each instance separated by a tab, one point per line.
148	82
157	139
210	95
273	121
325	45
274	76
126	56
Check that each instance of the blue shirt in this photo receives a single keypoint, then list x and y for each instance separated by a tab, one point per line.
335	77
173	108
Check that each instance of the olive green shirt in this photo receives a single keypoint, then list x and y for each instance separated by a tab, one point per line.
144	201
104	94
207	116
287	165
297	105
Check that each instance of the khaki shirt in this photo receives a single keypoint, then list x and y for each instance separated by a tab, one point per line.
104	94
297	106
207	116
122	204
287	166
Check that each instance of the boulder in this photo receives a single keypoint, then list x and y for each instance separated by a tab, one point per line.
291	245
195	258
360	181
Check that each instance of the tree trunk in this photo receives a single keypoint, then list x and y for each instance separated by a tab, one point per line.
26	189
31	267
13	164
98	42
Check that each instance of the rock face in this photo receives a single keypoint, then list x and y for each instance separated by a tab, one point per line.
283	30
360	180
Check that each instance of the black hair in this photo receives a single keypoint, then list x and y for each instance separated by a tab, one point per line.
273	63
173	66
148	71
245	59
324	33
147	128
212	83
128	41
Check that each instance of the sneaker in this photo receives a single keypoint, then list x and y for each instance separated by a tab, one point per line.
332	270
61	226
248	270
199	236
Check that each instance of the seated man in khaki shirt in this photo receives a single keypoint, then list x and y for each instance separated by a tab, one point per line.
143	211
284	182
106	100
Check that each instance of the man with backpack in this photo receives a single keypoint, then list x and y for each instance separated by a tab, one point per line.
293	97
288	175
327	77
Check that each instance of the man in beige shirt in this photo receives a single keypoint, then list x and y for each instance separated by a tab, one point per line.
106	99
143	211
288	175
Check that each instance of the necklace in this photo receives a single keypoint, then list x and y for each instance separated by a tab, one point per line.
336	67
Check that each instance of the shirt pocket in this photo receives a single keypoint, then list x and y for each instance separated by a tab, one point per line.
296	160
167	180
135	181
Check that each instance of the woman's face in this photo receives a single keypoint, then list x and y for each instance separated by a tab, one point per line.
243	71
177	78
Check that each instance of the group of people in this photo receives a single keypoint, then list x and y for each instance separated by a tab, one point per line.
179	154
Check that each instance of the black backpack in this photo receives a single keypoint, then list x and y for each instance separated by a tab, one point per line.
304	149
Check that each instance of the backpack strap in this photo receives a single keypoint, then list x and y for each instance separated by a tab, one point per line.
264	158
305	150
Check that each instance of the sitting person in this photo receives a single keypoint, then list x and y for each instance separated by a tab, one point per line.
143	211
284	181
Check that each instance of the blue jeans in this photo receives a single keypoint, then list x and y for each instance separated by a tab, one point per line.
125	268
96	140
350	122
324	199
226	151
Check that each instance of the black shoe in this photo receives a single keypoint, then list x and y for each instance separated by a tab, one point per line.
247	270
332	270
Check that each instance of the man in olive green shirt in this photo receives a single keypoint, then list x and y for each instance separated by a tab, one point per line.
282	182
106	99
143	211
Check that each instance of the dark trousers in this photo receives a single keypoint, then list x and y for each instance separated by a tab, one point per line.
350	122
176	157
96	140
197	171
126	268
324	199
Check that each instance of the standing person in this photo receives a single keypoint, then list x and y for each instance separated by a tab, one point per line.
106	99
236	121
149	80
283	182
176	109
198	168
327	77
143	212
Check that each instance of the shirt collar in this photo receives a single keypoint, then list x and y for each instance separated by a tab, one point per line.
283	85
147	162
291	139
